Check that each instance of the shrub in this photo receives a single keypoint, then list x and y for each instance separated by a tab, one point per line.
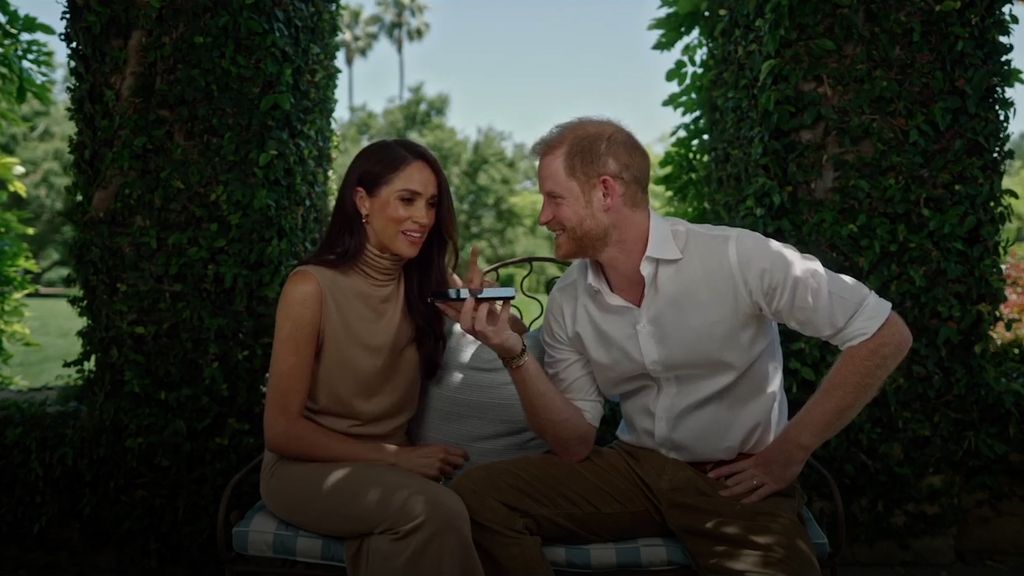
200	161
40	439
15	262
872	135
26	67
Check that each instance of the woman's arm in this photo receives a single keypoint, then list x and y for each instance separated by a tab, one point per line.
296	341
287	431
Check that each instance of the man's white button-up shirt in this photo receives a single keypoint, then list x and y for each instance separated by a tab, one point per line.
697	368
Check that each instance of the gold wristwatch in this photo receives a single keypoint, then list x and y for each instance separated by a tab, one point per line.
513	362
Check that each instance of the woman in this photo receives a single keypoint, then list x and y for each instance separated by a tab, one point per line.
355	337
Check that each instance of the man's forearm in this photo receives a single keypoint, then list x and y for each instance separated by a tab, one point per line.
855	378
551	415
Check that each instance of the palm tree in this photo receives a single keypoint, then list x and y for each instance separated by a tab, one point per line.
358	35
402	21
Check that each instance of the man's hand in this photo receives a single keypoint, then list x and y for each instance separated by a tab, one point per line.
763	474
488	322
854	379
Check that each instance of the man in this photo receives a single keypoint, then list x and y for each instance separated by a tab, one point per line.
678	321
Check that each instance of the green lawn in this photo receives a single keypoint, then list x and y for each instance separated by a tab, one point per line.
53	324
531	309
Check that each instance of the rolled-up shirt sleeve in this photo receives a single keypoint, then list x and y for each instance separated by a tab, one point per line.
568	369
795	289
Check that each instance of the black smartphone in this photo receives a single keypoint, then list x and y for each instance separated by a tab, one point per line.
482	294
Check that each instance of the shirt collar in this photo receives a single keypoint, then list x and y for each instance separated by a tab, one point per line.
661	245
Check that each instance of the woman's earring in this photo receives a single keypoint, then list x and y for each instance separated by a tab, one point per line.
364	218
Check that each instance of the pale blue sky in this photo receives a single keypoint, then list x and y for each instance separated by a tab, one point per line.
526	65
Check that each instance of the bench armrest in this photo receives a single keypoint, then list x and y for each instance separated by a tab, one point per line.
835	547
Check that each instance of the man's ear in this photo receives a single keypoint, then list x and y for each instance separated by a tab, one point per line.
610	190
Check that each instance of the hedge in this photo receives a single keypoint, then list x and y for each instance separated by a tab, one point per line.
871	134
200	163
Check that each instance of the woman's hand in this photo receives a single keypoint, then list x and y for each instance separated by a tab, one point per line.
434	461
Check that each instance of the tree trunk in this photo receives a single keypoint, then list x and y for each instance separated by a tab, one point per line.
351	103
401	72
199	168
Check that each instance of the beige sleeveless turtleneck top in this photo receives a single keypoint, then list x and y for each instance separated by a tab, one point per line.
366	376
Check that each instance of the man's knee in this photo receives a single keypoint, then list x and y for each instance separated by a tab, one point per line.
474	485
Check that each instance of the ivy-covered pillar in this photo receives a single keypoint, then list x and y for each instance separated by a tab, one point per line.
871	134
201	156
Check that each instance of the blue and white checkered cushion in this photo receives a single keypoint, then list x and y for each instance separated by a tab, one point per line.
261	533
639	553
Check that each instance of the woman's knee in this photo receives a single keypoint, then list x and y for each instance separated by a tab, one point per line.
449	509
434	506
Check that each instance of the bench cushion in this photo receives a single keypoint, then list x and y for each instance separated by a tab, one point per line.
472	403
653	553
261	533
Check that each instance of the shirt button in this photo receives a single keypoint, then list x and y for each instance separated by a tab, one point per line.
642	326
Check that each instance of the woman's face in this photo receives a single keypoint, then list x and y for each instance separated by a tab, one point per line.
402	212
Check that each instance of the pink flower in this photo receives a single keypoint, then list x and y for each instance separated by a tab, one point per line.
1010	327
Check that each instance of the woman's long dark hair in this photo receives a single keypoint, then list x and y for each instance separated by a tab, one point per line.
345	240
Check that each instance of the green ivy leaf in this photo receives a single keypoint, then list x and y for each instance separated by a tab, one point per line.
825	44
766	69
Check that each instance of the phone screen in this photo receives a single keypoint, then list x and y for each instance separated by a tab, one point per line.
460	294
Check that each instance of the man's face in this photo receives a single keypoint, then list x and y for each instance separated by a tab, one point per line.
579	228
